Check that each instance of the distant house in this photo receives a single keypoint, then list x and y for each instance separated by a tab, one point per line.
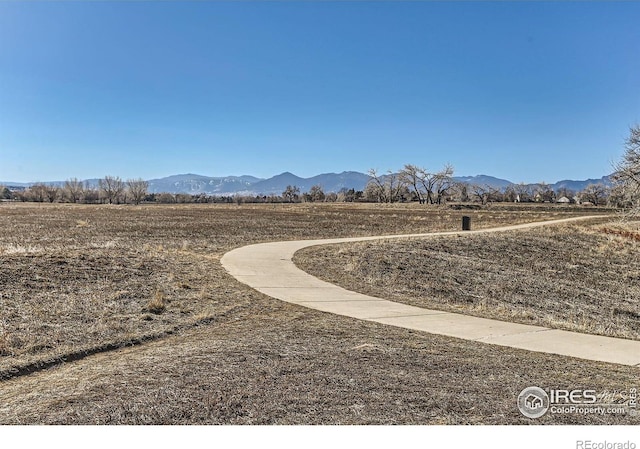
563	200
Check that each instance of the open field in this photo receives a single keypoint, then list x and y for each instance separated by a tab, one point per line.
580	277
76	279
82	279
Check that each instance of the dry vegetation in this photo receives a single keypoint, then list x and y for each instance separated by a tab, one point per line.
77	280
577	277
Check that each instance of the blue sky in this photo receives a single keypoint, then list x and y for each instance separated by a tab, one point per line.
528	91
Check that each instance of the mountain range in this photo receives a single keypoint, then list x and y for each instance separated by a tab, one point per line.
331	182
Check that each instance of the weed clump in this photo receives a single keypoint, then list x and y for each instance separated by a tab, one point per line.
158	303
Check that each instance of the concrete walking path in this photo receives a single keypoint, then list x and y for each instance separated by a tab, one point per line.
268	268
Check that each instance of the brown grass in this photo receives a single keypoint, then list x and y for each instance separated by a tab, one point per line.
223	353
577	277
158	304
75	278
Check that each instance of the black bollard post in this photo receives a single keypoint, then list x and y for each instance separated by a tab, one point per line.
466	223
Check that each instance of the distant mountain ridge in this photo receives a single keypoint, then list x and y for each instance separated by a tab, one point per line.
496	183
580	185
194	184
330	182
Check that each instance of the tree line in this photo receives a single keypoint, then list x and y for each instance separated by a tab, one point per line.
411	183
414	183
110	189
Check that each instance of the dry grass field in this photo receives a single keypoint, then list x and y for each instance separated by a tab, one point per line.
123	315
580	277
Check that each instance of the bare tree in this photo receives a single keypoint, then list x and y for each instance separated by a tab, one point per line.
90	193
138	189
22	195
443	181
388	188
291	194
73	189
427	187
396	188
349	195
568	193
315	194
165	198
51	192
460	190
411	176
545	192
428	181
484	193
375	188
37	192
112	187
594	193
627	171
510	194
618	197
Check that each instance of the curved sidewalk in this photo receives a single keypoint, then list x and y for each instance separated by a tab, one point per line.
268	268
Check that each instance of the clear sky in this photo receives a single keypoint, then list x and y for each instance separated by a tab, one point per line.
527	91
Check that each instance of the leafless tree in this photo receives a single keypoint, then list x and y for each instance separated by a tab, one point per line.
291	194
315	194
388	188
165	198
396	188
460	191
483	193
568	193
375	188
73	189
434	185
510	194
51	192
112	187
627	170
443	181
90	193
184	198
544	192
411	176
618	197
331	197
428	181
594	193
138	189
523	192
349	195
22	195
37	192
